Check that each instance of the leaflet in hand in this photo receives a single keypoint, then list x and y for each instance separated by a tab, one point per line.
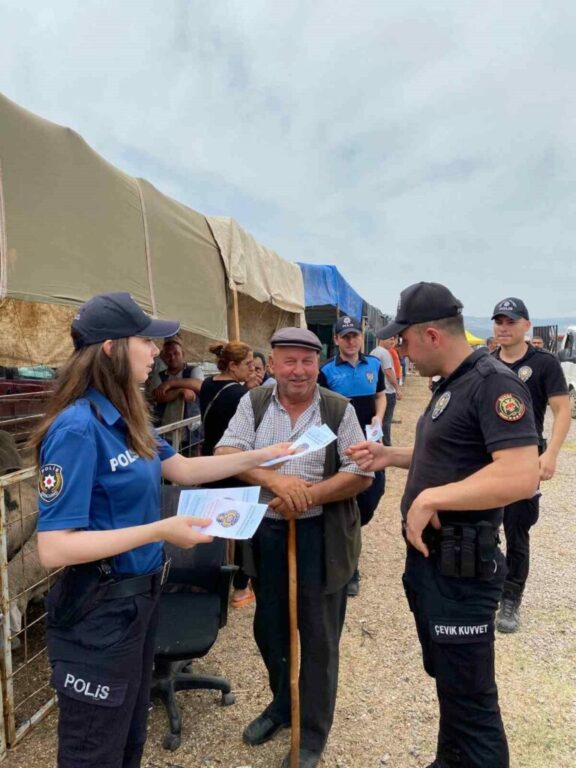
314	439
232	512
189	499
374	431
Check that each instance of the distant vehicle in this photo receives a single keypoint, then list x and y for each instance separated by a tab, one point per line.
567	356
23	393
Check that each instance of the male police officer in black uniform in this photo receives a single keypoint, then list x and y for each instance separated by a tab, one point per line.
475	451
543	375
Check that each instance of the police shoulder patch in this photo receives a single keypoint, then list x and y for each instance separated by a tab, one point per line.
510	407
441	405
50	482
524	373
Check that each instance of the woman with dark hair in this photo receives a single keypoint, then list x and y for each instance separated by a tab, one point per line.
99	516
260	367
219	398
220	394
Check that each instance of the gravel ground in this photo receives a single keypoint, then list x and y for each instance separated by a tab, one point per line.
386	712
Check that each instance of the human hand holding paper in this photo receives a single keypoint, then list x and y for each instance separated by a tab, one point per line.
229	518
374	431
314	439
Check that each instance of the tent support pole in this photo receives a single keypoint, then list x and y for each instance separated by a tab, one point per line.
235	315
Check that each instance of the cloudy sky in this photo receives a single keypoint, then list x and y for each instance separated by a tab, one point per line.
402	141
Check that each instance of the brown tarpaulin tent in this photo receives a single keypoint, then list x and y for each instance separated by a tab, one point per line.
72	225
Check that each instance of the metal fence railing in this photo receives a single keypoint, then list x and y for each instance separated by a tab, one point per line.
24	667
26	696
185	436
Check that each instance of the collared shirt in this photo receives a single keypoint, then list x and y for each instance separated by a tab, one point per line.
480	408
360	382
276	427
91	480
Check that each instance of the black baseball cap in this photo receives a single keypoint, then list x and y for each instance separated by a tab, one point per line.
421	303
116	316
296	337
511	307
347	324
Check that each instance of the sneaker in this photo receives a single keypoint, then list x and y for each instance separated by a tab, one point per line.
508	618
353	588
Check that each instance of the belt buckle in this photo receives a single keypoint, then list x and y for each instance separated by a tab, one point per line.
165	571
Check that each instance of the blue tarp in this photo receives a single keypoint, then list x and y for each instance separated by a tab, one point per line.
325	286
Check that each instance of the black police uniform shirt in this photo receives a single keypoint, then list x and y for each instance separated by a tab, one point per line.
222	410
359	383
480	408
91	480
542	373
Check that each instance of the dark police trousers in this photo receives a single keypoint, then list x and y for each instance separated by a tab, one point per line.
369	499
102	669
518	519
455	623
388	415
320	622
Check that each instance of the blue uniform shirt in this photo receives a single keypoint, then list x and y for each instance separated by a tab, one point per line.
91	480
359	382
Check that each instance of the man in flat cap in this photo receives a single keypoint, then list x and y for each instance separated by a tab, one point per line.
474	452
318	490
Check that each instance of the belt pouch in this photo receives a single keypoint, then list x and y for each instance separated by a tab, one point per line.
468	552
447	551
76	592
486	549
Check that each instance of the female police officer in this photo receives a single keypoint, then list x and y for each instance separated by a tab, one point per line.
99	514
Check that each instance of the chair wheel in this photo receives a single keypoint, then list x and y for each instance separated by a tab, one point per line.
171	741
227	699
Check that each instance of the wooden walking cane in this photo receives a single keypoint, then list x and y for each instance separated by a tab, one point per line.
294	645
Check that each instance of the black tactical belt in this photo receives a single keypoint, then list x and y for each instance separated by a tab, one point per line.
136	585
463	551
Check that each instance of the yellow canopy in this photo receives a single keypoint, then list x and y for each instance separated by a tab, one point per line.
474	340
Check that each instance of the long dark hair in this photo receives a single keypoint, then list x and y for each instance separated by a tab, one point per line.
112	376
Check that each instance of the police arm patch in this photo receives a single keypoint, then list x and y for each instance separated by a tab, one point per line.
50	482
510	407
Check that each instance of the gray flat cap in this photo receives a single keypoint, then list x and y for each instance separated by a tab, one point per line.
296	337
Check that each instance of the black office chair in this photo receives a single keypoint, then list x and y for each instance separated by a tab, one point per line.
193	607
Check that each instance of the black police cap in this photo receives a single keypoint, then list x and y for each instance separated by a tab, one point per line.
347	324
116	316
511	307
422	303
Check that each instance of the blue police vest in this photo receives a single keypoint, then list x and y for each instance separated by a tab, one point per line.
359	382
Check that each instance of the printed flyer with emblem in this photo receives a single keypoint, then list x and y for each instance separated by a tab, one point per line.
234	512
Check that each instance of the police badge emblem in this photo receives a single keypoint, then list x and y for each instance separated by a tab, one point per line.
524	373
50	482
441	405
509	407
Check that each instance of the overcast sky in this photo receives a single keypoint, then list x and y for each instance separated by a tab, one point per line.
401	141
